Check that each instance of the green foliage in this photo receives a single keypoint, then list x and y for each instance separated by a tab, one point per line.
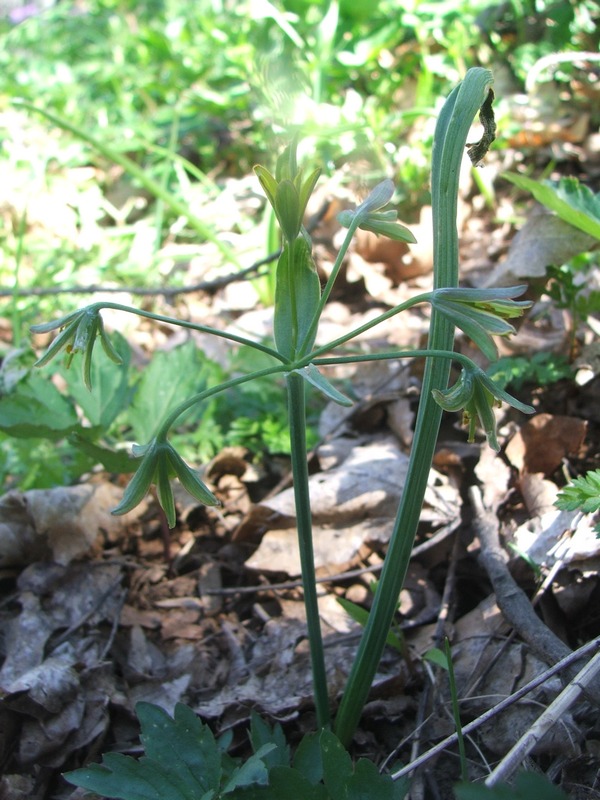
541	369
574	202
183	761
568	288
582	494
87	428
527	785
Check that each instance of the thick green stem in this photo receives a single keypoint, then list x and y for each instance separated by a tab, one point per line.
297	417
451	134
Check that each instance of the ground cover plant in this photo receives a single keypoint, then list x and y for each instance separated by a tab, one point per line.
175	153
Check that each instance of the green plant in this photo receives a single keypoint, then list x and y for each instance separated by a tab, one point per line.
50	438
183	761
299	302
526	786
582	494
578	206
541	369
444	660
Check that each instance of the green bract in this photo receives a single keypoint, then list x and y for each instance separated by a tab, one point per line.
297	296
78	335
289	198
159	462
476	394
481	312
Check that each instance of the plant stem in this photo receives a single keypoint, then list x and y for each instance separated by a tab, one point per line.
297	418
182	323
451	134
464	770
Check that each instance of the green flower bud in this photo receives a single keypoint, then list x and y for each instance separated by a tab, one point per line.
382	223
476	393
481	313
159	462
79	331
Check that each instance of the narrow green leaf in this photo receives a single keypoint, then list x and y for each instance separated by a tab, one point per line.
311	374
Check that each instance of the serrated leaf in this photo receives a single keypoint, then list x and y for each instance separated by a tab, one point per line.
252	772
182	761
262	734
308	759
367	783
124	778
573	202
36	409
284	783
583	493
337	764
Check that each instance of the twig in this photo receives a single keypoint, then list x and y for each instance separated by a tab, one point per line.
210	287
583	680
564	663
512	600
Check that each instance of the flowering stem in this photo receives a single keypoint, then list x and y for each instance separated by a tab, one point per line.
450	138
297	420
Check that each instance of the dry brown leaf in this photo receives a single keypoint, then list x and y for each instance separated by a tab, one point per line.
544	239
61	524
543	442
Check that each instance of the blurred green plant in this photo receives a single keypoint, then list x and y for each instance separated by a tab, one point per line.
540	369
577	205
50	438
582	494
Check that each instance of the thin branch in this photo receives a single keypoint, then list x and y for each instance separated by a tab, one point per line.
564	663
514	604
584	679
210	287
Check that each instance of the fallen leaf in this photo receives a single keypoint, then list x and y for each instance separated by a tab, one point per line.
541	444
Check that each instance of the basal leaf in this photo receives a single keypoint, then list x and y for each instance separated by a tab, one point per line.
168	378
182	761
337	764
262	734
367	783
528	785
36	409
181	745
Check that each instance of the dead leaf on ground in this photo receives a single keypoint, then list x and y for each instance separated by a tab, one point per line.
541	444
58	524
